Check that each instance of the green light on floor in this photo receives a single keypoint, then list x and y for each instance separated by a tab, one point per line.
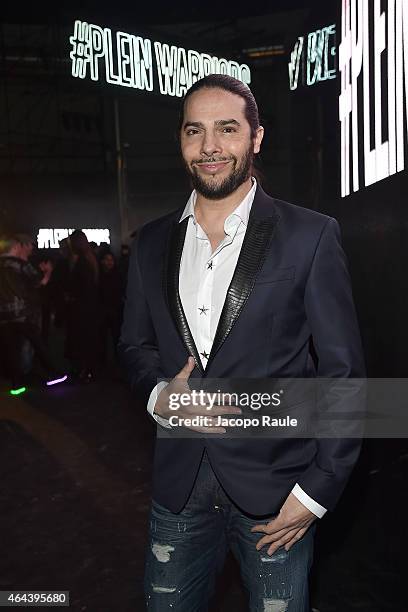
18	391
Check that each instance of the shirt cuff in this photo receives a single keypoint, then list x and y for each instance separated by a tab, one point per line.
152	402
307	501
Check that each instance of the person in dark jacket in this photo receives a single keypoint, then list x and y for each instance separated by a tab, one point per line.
233	286
20	308
60	282
82	319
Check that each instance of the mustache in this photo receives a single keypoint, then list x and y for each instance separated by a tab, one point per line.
212	160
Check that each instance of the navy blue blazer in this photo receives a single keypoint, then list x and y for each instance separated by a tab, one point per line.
290	286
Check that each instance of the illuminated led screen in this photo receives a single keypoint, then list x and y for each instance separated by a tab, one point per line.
373	62
48	238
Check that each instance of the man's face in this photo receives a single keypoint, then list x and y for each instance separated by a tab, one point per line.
216	142
108	262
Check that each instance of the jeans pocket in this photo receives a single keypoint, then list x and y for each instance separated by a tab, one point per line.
159	508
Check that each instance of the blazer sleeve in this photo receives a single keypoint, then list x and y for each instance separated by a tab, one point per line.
138	348
332	318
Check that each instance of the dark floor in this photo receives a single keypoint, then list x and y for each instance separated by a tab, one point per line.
74	495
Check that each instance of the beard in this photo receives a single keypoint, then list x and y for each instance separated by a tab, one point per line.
211	190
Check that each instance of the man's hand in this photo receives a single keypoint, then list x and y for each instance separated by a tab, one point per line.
292	522
179	385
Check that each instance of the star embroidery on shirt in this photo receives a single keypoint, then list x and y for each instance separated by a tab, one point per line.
203	310
205	355
210	265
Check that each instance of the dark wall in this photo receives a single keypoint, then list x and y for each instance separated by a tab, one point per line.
56	159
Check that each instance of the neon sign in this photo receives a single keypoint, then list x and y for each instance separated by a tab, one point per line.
320	52
50	238
372	132
132	61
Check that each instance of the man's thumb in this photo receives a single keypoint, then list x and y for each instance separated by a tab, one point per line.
188	368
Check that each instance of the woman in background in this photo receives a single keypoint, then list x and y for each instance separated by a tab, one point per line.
83	315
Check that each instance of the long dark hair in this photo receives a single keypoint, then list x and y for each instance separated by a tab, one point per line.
234	86
81	247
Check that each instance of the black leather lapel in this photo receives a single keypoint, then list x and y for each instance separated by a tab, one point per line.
253	252
171	271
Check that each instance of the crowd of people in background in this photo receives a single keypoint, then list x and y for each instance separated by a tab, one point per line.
80	292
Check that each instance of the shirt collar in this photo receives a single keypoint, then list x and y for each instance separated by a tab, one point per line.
241	211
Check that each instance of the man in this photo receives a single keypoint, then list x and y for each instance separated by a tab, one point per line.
20	308
236	284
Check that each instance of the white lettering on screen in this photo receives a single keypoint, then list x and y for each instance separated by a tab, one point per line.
131	61
320	51
372	133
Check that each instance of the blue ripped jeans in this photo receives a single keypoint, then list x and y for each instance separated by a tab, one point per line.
186	550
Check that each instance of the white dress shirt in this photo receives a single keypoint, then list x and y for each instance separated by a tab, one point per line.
204	279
